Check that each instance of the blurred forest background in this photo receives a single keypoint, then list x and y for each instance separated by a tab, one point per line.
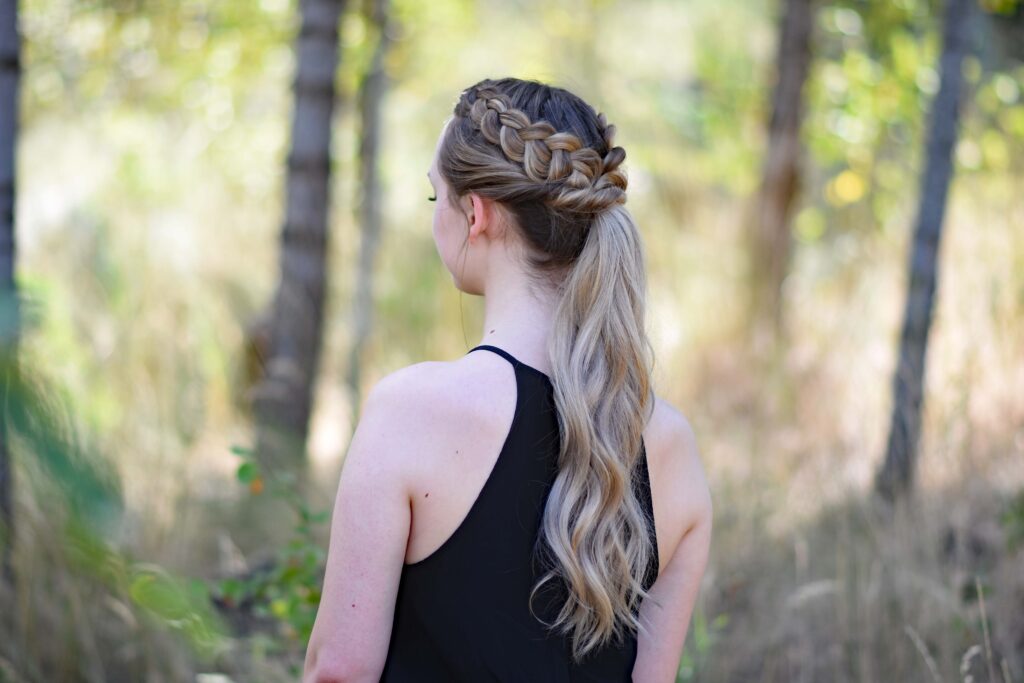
217	202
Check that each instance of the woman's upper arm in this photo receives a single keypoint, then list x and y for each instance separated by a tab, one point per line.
368	539
676	588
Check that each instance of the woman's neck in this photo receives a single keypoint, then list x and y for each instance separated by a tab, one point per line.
516	320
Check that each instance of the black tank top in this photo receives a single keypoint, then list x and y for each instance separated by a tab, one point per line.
462	613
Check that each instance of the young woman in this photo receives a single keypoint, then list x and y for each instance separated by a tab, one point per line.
495	517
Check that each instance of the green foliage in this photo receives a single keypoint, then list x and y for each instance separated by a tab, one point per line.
43	435
289	590
1012	520
1006	7
873	75
172	602
37	428
875	71
722	110
703	636
61	470
181	604
151	54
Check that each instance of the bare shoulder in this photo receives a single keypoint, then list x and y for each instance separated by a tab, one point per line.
421	393
416	409
407	391
438	384
680	489
410	399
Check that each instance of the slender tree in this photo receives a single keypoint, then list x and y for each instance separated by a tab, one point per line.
371	95
771	241
10	68
897	472
283	400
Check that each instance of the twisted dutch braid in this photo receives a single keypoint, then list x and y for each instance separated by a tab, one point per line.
581	179
548	158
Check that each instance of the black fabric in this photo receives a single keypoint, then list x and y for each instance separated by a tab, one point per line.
462	613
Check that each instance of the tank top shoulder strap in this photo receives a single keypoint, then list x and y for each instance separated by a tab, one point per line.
501	352
647	500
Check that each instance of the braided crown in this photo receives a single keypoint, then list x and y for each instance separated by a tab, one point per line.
581	180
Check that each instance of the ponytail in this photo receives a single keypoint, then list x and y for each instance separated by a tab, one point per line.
594	526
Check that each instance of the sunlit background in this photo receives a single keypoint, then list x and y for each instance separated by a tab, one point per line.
150	196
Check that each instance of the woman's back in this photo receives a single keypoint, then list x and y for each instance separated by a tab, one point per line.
462	612
454	470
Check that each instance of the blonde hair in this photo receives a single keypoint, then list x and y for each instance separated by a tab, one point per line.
548	158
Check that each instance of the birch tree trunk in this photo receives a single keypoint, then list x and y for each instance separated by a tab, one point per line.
371	96
283	400
10	68
771	238
896	475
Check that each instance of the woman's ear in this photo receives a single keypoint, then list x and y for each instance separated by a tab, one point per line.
480	213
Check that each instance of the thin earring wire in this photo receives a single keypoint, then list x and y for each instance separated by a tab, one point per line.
462	272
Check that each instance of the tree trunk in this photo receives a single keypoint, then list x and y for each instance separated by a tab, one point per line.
771	238
371	96
283	400
9	75
897	472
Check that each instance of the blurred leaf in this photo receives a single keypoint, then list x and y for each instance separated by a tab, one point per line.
183	605
160	595
42	429
247	472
